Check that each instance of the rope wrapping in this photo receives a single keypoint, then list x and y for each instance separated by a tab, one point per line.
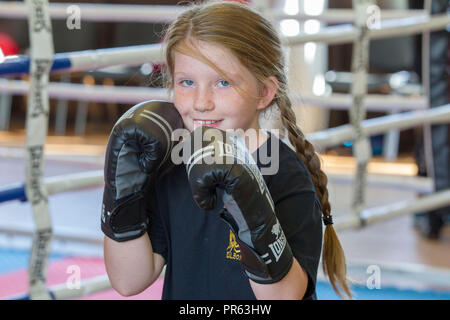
36	131
361	146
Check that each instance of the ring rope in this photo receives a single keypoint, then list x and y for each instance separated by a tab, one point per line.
90	59
167	13
361	146
36	130
133	95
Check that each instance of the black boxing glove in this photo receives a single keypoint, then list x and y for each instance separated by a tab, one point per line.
219	160
139	147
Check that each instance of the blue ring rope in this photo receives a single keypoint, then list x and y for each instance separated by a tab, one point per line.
21	65
14	192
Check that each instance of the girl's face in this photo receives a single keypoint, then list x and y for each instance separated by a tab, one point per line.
204	98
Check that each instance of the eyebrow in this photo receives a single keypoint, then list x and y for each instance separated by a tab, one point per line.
180	73
233	75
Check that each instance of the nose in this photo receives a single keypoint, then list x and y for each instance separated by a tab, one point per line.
203	101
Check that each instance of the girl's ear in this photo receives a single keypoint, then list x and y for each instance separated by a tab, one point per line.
268	91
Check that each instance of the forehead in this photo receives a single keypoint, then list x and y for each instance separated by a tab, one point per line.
221	57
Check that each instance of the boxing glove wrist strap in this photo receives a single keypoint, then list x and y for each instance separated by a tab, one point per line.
126	221
266	268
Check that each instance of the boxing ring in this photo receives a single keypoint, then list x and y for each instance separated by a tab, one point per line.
42	62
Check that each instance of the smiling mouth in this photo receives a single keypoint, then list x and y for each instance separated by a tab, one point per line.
209	123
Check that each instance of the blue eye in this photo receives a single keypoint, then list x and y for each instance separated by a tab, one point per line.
186	82
224	83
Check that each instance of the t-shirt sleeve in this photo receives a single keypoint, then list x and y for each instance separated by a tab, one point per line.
155	229
300	217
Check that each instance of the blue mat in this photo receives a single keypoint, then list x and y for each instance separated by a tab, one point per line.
13	259
325	292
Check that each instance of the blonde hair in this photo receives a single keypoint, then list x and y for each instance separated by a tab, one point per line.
253	40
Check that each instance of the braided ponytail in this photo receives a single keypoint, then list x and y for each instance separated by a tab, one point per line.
333	258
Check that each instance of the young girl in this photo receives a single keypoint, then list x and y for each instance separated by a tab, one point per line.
225	67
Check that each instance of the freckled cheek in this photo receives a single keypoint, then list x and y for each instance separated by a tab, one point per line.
181	104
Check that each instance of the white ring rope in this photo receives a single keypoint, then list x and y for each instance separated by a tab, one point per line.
36	132
87	286
101	58
100	11
380	213
340	16
90	93
337	135
361	146
167	13
96	59
425	58
388	28
133	95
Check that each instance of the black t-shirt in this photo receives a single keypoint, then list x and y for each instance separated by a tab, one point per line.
201	253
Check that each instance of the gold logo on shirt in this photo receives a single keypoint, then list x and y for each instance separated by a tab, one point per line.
233	250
